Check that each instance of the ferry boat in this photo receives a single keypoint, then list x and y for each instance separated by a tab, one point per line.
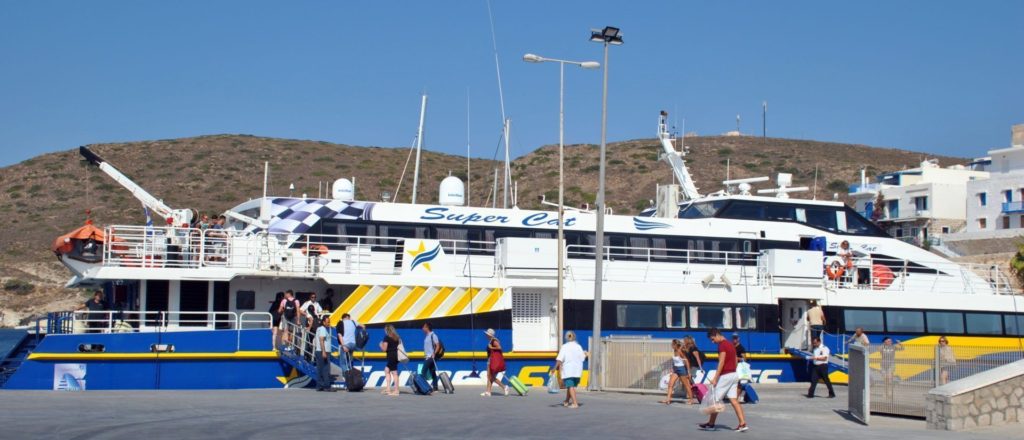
189	304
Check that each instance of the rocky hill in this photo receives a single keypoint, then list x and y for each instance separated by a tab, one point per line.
48	195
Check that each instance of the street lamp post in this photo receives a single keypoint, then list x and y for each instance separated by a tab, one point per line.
608	36
531	58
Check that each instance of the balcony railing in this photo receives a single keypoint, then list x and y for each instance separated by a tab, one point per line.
869	187
1013	207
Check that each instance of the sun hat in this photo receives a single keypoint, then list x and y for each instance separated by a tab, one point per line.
489	332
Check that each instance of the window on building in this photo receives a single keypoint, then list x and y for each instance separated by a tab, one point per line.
899	232
1021	222
914	232
984	324
710	316
1006	222
870	320
921	203
1008	196
945	323
638	316
982	224
982	199
675	316
904	321
893	206
945	229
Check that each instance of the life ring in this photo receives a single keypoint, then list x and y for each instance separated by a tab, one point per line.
834	268
881	277
315	250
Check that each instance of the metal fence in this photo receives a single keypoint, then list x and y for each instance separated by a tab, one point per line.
634	364
898	376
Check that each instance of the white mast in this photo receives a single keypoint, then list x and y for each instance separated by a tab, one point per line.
675	159
508	167
419	146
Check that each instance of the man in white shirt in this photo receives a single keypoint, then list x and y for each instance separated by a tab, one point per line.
311	311
570	362
820	368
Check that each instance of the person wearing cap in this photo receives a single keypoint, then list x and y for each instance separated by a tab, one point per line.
495	363
741	351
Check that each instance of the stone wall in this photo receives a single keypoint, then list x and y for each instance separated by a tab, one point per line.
995	397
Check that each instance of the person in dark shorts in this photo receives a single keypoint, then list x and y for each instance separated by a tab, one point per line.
95	305
289	311
275	319
390	347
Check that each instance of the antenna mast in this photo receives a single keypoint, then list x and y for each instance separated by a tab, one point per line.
675	159
419	147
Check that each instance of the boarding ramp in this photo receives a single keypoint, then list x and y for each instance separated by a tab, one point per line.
297	350
895	379
634	364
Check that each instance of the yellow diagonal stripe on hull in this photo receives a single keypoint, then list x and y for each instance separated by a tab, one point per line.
349	303
406	304
461	303
435	303
378	304
492	298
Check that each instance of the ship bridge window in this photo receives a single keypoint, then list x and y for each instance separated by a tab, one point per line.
638	316
710	316
983	324
821	218
904	321
780	212
701	210
743	210
858	225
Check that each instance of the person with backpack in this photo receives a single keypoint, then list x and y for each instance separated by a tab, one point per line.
322	352
389	345
275	320
495	363
289	311
432	351
348	330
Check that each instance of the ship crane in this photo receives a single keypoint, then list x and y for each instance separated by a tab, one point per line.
675	159
157	206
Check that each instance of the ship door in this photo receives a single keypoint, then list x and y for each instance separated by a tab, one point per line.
534	320
793	318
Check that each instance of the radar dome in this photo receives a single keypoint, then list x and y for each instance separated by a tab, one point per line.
453	192
343	190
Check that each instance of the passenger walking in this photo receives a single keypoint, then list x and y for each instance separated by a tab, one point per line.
816	319
390	347
819	369
347	340
946	358
725	381
431	346
859	338
289	311
495	363
680	372
322	352
569	363
275	320
695	357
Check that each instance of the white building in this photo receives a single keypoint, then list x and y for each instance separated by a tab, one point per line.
917	203
997	203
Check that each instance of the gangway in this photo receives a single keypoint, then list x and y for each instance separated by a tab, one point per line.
835	362
13	359
298	353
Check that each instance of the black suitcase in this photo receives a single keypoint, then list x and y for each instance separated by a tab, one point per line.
354	380
446	383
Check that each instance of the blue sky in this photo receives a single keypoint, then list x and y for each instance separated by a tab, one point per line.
934	76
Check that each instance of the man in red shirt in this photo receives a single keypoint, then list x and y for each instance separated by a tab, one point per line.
725	381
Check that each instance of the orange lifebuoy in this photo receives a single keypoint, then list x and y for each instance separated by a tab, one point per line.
834	267
881	277
316	250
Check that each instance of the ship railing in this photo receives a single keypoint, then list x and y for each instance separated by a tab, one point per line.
117	321
167	247
901	275
659	265
299	340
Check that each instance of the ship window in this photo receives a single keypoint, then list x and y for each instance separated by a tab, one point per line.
983	324
945	322
858	225
904	322
743	210
245	300
702	210
821	218
1014	324
638	316
746	318
675	316
543	234
779	212
710	316
658	245
870	320
639	247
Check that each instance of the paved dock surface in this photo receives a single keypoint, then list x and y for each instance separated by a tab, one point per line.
304	414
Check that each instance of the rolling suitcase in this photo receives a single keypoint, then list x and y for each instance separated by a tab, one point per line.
446	383
354	380
699	391
749	395
419	385
517	385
